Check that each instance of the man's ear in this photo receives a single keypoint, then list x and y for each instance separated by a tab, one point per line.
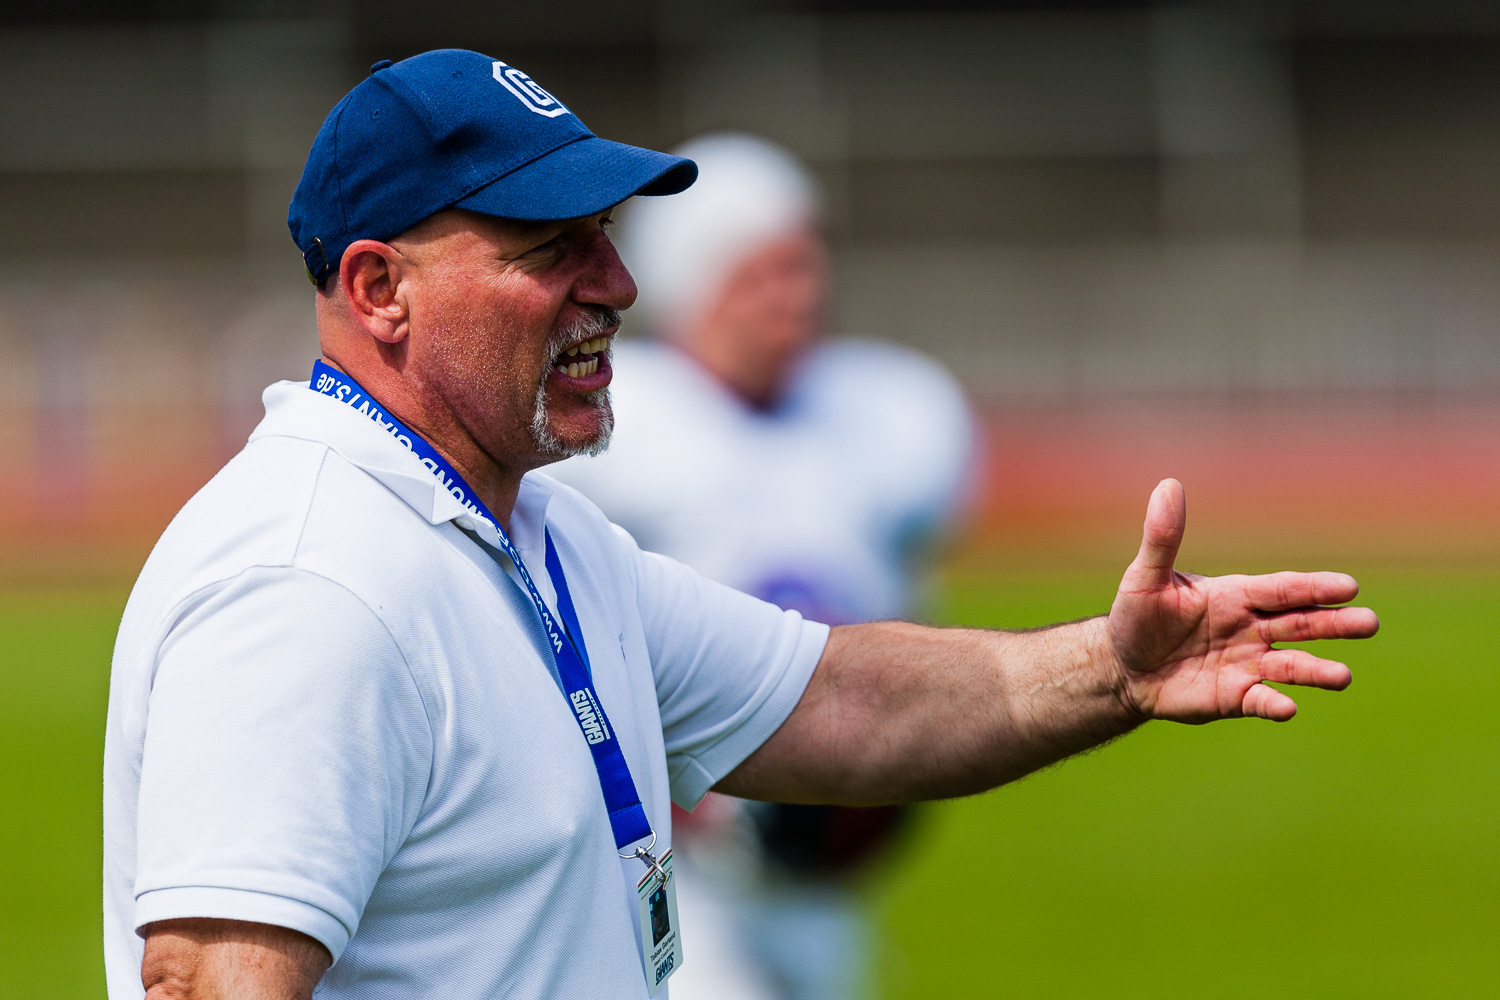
370	278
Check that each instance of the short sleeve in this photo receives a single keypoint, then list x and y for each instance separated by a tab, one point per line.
286	758
728	669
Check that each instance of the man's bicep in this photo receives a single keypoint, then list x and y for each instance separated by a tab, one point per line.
199	959
286	755
728	669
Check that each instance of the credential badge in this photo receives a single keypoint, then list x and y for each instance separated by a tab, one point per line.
528	91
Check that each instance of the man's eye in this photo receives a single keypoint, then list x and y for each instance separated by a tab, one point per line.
543	249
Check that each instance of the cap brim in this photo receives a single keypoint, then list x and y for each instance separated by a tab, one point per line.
580	179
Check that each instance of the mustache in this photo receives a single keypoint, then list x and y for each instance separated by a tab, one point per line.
596	321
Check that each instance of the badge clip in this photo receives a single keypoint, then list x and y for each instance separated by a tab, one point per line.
651	861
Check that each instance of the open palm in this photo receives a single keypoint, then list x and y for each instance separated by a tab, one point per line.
1195	649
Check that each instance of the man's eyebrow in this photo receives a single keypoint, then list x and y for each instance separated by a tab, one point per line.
532	230
543	239
526	235
520	238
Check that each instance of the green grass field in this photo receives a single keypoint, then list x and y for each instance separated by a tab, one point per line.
1352	852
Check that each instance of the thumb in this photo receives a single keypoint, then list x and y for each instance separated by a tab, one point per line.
1166	518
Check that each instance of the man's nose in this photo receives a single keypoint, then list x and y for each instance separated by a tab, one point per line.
605	280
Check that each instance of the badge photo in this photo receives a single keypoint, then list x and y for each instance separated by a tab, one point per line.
661	937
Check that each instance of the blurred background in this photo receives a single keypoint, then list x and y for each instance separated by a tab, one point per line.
1252	245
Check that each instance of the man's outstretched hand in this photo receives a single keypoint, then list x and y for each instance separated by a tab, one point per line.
1194	648
897	712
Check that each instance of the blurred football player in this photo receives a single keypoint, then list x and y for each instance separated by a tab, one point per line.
814	473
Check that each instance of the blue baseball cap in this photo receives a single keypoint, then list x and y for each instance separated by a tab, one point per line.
456	129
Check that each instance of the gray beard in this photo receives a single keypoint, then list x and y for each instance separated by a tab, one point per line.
541	421
547	443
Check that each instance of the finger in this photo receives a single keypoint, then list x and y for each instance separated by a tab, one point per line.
1265	702
1166	518
1306	624
1284	591
1297	666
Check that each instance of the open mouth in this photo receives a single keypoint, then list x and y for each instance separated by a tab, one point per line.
581	360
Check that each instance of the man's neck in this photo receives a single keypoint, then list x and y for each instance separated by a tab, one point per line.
495	485
496	488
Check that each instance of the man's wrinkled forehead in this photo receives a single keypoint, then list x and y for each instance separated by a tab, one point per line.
458	221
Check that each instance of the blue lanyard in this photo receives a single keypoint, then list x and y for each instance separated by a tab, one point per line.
627	817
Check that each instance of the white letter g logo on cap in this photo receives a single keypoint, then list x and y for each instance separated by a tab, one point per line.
528	91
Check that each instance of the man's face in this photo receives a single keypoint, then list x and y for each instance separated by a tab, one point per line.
775	297
766	316
511	325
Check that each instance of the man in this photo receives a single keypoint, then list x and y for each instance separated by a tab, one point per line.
812	474
385	706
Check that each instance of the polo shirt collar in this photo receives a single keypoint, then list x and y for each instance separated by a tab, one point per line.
294	411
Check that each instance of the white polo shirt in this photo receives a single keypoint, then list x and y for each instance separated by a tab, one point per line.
332	709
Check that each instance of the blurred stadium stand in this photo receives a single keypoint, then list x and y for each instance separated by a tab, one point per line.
1228	241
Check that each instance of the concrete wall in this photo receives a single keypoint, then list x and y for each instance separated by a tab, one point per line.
1068	203
1087	199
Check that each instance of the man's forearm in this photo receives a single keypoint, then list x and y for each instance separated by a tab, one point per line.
898	713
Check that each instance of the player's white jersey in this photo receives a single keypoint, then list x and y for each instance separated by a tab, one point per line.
818	505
